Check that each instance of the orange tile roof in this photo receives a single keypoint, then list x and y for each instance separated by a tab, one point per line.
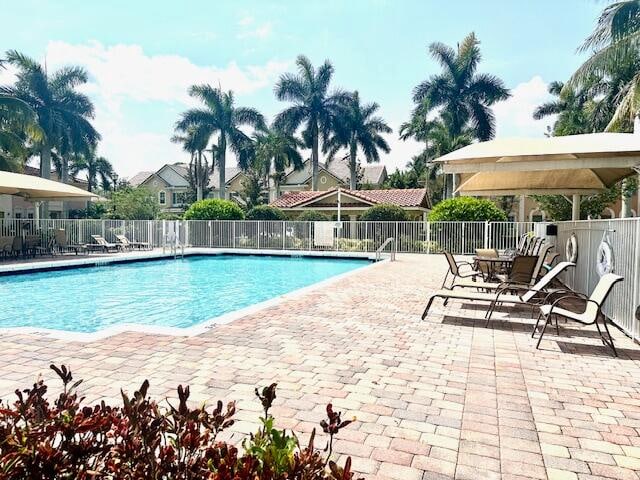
411	197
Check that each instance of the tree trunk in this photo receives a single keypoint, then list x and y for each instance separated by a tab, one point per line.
222	152
353	183
45	172
64	177
200	173
314	158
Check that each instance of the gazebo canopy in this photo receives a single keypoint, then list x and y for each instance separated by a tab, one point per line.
569	165
594	151
40	189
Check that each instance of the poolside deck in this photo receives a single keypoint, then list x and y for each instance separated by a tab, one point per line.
443	398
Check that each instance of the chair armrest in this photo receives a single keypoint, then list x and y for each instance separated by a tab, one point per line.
573	295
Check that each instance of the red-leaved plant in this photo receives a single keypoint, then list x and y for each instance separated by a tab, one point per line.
140	440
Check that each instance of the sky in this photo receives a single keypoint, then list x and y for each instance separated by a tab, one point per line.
142	56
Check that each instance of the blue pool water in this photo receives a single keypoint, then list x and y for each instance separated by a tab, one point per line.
169	293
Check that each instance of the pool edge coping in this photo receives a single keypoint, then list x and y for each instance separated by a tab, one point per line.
205	325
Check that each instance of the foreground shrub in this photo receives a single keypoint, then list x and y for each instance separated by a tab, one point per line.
466	209
214	209
313	216
385	212
141	440
265	212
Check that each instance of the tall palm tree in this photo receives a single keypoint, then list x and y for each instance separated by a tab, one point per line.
459	91
221	117
63	114
194	141
17	130
570	107
313	105
96	168
275	152
358	127
614	41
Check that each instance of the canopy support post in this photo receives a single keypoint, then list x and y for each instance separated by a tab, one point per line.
625	210
521	209
575	207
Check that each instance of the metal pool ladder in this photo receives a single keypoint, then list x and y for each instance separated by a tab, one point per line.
384	244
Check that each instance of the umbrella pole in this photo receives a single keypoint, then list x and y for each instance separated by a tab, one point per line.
575	207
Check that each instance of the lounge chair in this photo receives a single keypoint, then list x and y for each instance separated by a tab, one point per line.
62	244
524	270
102	244
128	244
529	293
591	313
455	269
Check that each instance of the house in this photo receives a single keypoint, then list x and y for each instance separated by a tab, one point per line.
13	206
354	203
171	181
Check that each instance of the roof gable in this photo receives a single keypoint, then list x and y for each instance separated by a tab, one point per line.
407	198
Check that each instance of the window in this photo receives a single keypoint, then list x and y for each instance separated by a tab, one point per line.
30	215
17	215
162	198
178	198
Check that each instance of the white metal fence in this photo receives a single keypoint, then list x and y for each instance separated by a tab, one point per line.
624	237
410	237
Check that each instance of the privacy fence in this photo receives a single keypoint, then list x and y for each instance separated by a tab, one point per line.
623	236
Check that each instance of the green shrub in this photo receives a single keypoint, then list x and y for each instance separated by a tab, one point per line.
265	212
313	216
214	209
169	216
466	209
385	212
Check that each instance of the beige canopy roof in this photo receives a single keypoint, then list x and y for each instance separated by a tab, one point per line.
40	189
595	151
583	181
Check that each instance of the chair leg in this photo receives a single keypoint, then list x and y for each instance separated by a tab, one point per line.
426	310
557	327
535	327
606	341
544	327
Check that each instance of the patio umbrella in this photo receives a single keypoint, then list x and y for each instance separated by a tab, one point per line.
40	189
571	165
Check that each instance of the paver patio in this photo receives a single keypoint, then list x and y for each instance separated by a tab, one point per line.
442	398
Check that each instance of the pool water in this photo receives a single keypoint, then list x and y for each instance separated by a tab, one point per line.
167	293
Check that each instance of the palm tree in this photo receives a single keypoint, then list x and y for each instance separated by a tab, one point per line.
62	113
275	152
357	127
17	129
570	107
313	106
461	93
95	168
194	141
614	42
220	116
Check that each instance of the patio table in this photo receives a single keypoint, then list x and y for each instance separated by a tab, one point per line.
504	261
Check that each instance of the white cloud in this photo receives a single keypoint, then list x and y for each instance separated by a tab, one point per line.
125	74
250	29
514	117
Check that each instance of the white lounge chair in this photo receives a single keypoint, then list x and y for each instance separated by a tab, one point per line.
501	296
591	313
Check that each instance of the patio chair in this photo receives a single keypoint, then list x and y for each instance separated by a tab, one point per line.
485	268
128	244
62	244
524	270
455	269
102	244
527	296
590	315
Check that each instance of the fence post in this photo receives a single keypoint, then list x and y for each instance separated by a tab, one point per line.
103	229
284	232
428	237
396	239
233	233
487	226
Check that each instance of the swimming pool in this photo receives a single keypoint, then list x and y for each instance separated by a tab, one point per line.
165	293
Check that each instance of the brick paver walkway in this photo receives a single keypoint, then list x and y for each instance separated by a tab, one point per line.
443	398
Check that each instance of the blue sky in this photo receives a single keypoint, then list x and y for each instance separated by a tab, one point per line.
143	55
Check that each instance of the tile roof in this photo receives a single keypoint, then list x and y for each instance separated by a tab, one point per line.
411	197
139	177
